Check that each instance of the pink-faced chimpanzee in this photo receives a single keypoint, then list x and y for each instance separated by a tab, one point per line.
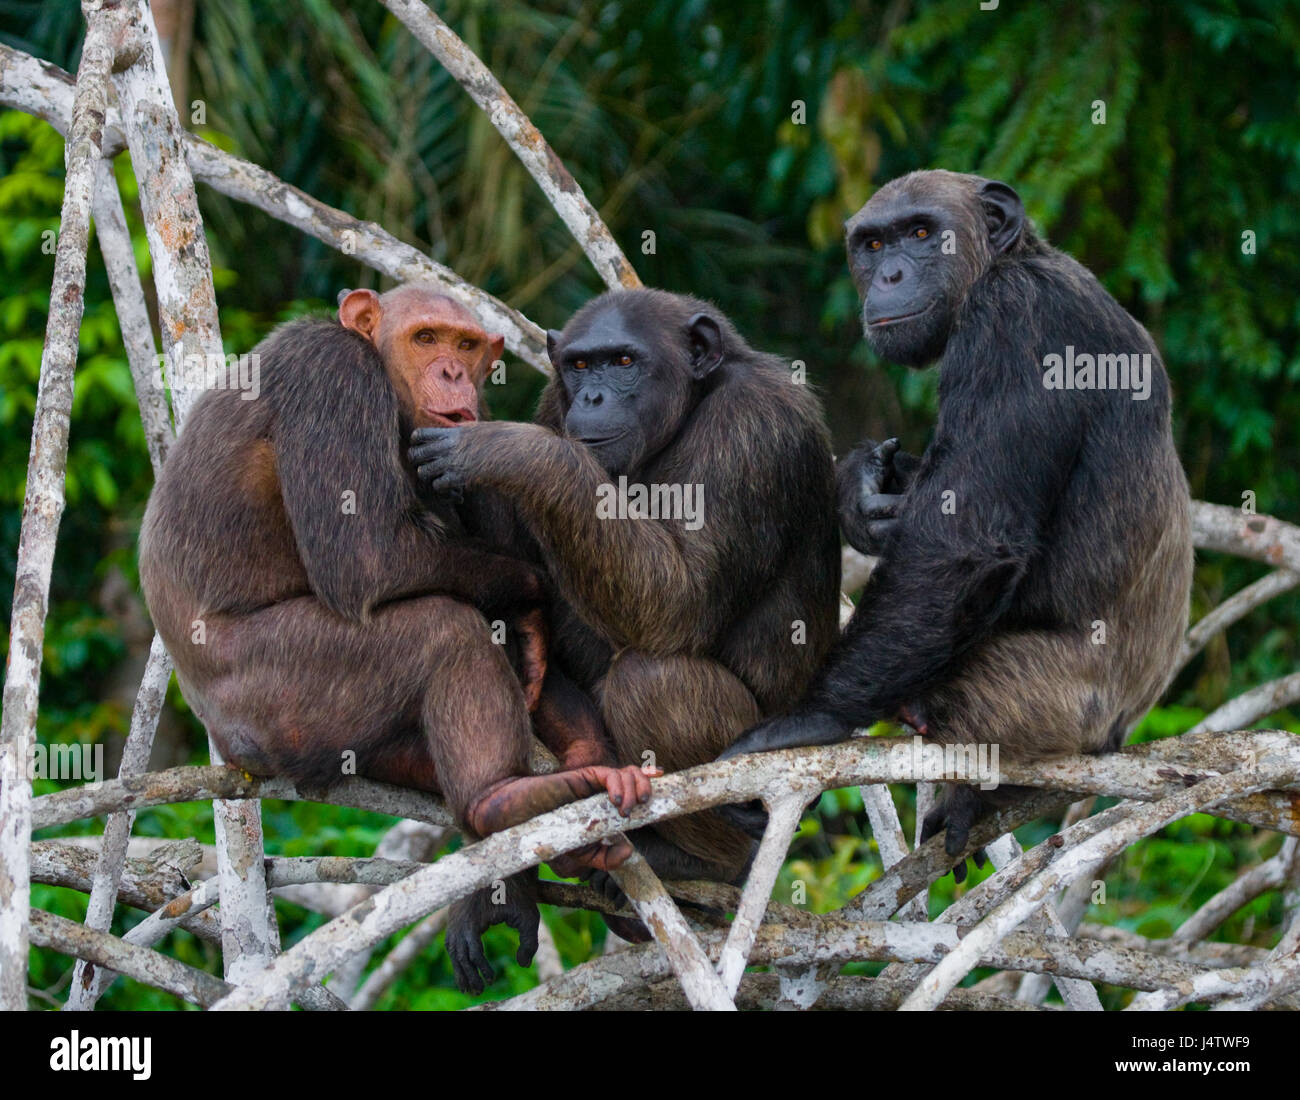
326	617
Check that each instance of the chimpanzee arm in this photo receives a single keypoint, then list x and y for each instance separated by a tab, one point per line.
361	531
971	524
667	569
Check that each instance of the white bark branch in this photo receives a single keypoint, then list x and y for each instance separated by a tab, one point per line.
117	829
782	821
1279	770
44	500
1250	706
659	913
1235	607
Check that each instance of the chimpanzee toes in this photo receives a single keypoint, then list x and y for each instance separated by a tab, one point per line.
627	928
956	816
934	822
603	883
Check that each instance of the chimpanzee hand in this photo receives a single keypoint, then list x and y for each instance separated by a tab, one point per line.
787	731
441	458
627	786
600	857
470	917
868	513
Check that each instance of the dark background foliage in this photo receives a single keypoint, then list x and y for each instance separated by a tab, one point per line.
679	118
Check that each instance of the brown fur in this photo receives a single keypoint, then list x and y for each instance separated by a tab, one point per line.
304	629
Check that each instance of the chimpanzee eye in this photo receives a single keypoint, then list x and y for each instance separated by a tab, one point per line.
876	245
466	345
625	360
426	336
920	232
580	364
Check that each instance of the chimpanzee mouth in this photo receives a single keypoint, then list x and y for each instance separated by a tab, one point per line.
894	320
453	419
591	441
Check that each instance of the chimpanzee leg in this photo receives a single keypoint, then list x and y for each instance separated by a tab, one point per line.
1000	699
294	689
683	711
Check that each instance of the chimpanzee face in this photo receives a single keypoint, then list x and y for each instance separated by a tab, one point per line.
630	381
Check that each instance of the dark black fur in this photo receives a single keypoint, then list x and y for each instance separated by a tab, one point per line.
1070	505
684	636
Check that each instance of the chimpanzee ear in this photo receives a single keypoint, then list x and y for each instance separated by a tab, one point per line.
496	347
360	311
552	342
706	345
1004	214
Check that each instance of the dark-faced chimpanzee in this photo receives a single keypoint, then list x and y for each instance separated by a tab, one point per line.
324	617
703	597
1036	562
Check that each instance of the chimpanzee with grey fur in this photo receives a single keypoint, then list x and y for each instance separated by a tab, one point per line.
1036	562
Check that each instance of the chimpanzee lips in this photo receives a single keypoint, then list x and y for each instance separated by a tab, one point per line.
594	441
453	418
901	317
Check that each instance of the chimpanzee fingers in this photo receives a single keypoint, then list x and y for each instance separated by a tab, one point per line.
468	963
430	441
880	530
876	506
524	919
440	481
608	857
642	781
603	883
877	466
621	788
586	862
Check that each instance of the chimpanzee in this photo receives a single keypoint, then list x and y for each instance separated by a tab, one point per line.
681	488
327	620
1036	562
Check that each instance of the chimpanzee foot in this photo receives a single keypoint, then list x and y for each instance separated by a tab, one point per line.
749	817
627	928
595	858
957	813
509	902
522	797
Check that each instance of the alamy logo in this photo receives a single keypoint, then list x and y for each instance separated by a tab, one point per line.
917	758
1119	371
624	501
212	372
